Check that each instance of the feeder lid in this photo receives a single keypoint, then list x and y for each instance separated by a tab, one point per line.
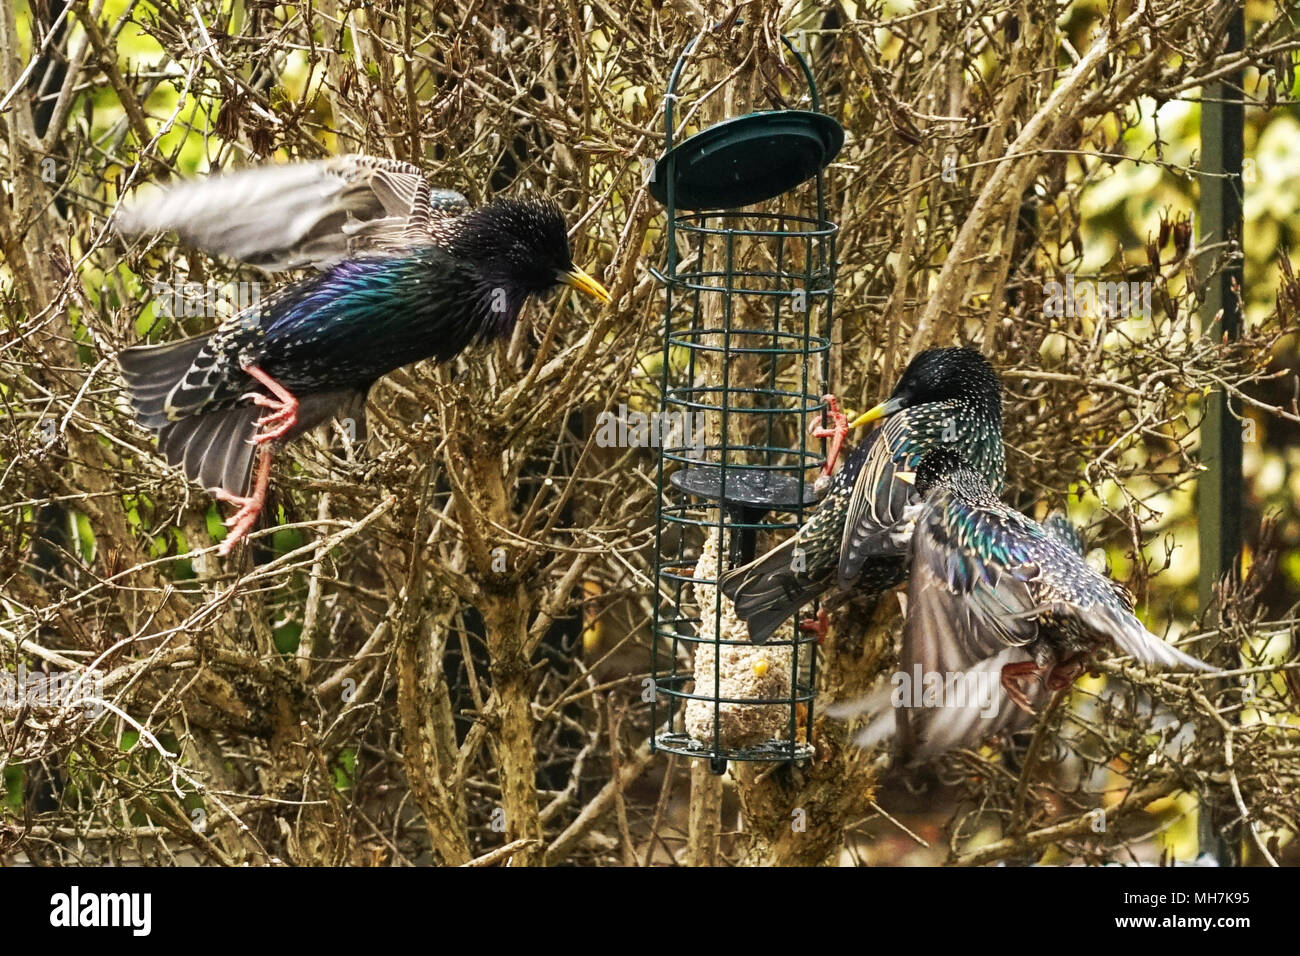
746	488
748	159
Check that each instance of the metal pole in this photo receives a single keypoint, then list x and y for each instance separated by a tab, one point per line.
1220	486
1219	504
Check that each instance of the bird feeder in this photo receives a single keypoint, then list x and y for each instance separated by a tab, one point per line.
749	293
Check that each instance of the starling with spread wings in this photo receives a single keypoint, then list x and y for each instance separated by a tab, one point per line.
857	539
1000	608
406	272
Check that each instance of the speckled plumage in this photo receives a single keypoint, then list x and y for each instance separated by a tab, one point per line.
1012	581
856	541
1059	526
993	593
407	272
347	326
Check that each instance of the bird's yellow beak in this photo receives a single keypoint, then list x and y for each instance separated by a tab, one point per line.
883	410
579	280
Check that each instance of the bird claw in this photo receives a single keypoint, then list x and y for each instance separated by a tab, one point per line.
250	506
836	432
818	625
1065	673
284	417
241	522
287	417
247	509
282	403
1012	675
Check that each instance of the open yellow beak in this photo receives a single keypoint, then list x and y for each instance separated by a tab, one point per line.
882	410
579	280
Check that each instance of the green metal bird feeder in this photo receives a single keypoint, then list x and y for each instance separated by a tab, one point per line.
749	295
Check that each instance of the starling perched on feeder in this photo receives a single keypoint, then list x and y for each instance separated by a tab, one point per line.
1003	607
409	272
857	539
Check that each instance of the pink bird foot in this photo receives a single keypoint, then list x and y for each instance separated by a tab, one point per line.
283	407
243	520
836	432
818	625
1014	676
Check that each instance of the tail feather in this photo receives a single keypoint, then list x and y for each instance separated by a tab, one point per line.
767	621
878	710
213	444
214	449
152	371
767	592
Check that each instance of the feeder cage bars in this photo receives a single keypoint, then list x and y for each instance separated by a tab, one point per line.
747	322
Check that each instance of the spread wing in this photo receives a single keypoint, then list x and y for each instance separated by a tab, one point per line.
977	573
970	612
1004	577
965	623
301	214
985	580
875	523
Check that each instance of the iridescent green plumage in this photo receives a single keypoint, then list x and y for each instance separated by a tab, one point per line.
999	604
408	273
856	541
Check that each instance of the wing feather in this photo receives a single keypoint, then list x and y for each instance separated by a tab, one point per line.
1135	640
290	216
876	521
987	583
944	640
968	617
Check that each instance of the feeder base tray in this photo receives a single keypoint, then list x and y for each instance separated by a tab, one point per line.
771	750
746	488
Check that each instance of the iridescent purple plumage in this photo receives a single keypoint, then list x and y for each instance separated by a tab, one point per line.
403	279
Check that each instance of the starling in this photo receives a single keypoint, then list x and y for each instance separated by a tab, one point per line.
1001	611
856	541
1060	527
407	272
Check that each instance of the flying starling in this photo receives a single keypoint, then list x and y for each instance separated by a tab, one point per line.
407	272
1001	611
857	539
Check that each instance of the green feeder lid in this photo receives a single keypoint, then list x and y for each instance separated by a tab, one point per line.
748	159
